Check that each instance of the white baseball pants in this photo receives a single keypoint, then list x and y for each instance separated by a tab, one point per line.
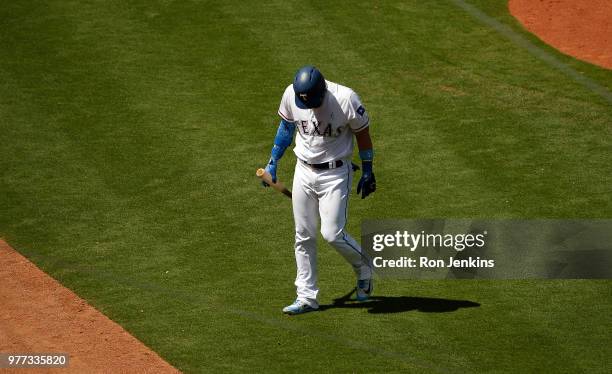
322	194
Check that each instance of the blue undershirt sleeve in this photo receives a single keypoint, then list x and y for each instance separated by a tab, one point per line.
283	139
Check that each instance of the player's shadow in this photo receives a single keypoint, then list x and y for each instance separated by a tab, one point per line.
398	304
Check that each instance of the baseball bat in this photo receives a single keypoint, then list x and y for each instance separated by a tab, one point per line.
279	186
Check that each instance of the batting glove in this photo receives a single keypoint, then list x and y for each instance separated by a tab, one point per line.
367	183
271	169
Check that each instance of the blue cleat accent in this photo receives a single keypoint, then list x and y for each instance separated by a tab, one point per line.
298	307
364	289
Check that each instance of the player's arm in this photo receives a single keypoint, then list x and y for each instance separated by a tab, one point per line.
282	140
367	183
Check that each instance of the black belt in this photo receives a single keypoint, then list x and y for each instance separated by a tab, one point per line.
325	165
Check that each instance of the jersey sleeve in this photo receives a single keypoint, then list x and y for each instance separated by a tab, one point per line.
357	115
285	108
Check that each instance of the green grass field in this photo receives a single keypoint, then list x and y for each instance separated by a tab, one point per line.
131	130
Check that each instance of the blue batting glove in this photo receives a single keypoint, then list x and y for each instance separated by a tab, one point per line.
367	183
271	168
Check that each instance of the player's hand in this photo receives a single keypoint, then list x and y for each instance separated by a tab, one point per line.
367	184
271	169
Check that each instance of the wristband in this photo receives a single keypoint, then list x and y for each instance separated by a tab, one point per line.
366	155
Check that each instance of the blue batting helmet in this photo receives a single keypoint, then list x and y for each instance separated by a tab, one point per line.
309	86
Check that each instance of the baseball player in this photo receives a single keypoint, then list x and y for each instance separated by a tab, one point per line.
327	116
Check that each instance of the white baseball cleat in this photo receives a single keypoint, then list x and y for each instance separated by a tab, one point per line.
298	307
364	289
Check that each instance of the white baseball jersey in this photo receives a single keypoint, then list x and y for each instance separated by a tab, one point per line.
325	133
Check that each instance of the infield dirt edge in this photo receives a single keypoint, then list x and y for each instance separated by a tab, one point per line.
38	315
578	28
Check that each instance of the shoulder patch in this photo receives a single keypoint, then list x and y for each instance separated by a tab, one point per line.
361	110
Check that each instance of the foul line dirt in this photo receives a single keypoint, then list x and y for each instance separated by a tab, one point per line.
39	315
579	28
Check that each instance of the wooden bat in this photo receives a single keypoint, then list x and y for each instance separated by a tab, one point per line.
279	186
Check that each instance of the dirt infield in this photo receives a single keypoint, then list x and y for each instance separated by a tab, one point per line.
580	28
37	314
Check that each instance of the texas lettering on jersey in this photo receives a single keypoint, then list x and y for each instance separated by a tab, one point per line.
316	128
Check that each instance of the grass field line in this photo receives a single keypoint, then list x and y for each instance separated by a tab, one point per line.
536	51
202	300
